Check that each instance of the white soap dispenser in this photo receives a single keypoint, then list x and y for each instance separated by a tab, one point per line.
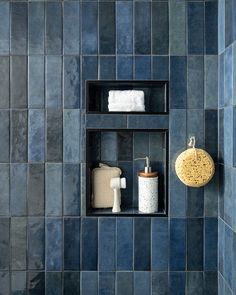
147	189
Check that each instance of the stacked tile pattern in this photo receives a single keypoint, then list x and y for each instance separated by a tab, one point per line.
47	51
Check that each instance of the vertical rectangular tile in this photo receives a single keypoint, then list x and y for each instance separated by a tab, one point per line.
4	188
33	288
71	28
89	27
124	247
124	67
160	28
107	34
194	244
53	283
53	28
71	138
211	27
142	68
124	27
4	80
177	244
89	244
178	82
140	144
194	282
211	81
234	263
5	27
125	146
107	244
195	126
195	82
106	283
71	82
195	28
5	283
18	282
109	146
4	243
234	136
222	80
177	283
18	243
195	202
35	198
160	67
36	136
142	282
228	77
18	81
210	201
160	244
36	25
36	243
89	283
160	283
19	28
107	67
54	135
142	27
177	27
142	243
234	71
36	87
211	282
54	242
228	251
228	136
53	81
71	189
5	136
228	22
71	283
124	283
71	243
53	178
127	172
210	244
18	193
211	132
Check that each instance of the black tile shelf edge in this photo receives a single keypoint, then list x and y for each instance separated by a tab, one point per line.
127	213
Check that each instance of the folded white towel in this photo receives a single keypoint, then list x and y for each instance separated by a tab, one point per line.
126	101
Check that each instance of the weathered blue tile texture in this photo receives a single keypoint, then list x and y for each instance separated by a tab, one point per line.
47	52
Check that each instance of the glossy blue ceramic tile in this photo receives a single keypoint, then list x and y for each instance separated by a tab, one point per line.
195	202
89	283
89	28
142	283
228	196
142	68
54	135
195	283
71	189
106	121
234	21
89	70
71	28
221	136
234	263
107	33
4	81
127	171
53	189
89	242
210	282
108	146
178	82
106	283
148	122
221	26
221	240
53	81
211	241
18	243
19	28
36	87
142	243
177	283
18	81
124	27
210	201
211	81
124	67
35	198
53	285
177	25
5	27
124	283
160	244
125	146
107	67
36	136
160	28
4	283
228	136
160	283
5	135
228	22
211	132
228	255
36	243
36	27
107	244
72	244
4	243
18	283
234	69
195	126
142	27
53	28
141	144
195	28
36	283
18	182
124	247
195	244
71	87
222	80
228	77
71	283
211	28
177	244
195	82
234	136
160	68
54	244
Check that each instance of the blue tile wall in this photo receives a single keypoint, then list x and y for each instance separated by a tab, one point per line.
47	51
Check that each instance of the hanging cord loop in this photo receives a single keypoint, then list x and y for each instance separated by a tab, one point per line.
192	143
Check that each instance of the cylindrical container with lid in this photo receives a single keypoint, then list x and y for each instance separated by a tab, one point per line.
148	189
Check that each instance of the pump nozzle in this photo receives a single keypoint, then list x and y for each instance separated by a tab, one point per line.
147	168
